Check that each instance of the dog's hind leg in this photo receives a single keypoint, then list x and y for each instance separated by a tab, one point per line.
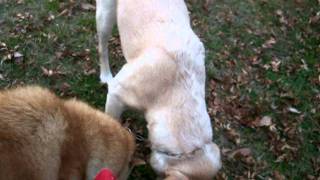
105	18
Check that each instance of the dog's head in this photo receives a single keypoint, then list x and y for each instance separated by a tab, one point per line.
110	146
122	153
203	164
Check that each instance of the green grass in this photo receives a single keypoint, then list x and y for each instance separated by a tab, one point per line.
240	75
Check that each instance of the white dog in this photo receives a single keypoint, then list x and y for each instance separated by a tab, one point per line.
165	78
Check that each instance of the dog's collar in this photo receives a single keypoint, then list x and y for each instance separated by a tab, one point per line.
183	155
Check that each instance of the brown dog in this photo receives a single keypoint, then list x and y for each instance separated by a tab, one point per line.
43	137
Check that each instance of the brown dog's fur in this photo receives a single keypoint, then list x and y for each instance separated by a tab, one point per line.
43	137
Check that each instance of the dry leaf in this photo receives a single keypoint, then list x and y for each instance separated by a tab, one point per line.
17	55
88	7
90	72
207	4
278	176
315	19
269	43
47	72
233	136
243	152
265	121
279	12
64	12
137	162
294	110
275	64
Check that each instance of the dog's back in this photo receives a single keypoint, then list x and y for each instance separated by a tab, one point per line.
43	137
163	24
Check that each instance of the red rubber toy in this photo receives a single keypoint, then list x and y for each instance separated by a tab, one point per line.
105	174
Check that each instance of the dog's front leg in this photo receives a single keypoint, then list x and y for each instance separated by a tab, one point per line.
105	18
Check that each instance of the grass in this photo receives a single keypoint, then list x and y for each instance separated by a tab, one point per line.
262	59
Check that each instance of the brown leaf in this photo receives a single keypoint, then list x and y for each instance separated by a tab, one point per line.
314	19
269	43
275	64
243	152
207	4
278	176
137	162
64	12
59	55
233	136
90	72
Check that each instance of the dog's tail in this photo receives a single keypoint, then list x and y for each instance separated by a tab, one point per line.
106	18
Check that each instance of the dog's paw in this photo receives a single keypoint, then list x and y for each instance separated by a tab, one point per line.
106	78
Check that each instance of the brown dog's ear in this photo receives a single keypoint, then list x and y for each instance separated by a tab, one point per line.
175	175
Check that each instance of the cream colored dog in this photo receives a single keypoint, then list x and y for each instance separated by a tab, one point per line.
165	78
43	137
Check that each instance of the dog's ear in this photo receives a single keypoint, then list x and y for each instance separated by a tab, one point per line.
175	175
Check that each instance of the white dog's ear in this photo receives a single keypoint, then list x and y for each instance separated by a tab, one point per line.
175	175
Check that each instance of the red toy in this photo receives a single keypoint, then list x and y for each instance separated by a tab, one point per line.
105	174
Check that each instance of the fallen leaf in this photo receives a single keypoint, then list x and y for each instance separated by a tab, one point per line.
90	72
233	136
278	176
59	55
88	7
275	64
314	19
225	151
269	43
47	72
243	152
137	162
279	12
207	4
64	12
294	110
51	17
265	121
17	55
20	1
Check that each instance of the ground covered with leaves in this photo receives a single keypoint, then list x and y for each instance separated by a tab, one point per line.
263	75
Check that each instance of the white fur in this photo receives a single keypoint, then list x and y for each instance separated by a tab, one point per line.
105	17
164	75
